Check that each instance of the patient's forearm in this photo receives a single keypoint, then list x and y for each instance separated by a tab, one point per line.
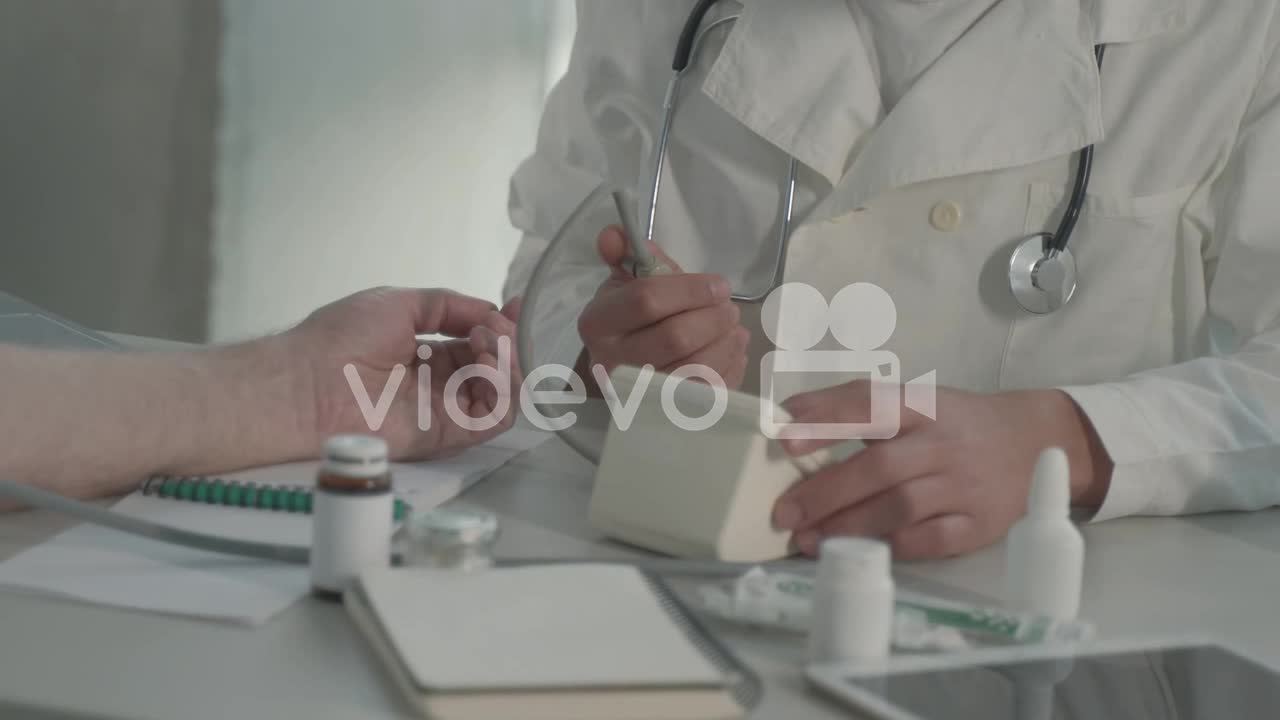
88	424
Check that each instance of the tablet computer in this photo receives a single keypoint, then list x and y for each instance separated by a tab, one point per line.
1187	680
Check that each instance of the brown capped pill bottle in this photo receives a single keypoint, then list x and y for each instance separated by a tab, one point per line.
351	530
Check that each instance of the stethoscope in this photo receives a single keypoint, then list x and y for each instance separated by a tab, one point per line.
37	498
1042	270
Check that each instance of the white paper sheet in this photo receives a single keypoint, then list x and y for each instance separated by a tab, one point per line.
100	565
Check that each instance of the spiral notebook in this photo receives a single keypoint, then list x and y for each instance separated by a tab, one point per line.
99	565
272	504
567	642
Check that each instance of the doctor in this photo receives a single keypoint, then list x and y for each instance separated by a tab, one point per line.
931	139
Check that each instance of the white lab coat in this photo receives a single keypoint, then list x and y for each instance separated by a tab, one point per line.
1179	239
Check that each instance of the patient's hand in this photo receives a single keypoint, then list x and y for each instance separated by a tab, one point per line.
363	346
271	400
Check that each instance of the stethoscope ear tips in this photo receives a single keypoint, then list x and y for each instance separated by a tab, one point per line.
1042	279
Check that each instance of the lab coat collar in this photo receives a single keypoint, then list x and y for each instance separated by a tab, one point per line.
1021	86
1122	21
799	75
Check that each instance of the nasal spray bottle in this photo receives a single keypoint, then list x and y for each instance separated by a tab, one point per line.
1045	552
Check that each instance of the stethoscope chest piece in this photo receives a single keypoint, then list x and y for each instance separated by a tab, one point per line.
1042	279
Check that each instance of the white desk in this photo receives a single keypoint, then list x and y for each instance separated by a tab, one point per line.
1218	575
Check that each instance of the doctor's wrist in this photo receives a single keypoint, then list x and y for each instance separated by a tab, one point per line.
1091	465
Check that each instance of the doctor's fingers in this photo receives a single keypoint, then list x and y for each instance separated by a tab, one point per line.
647	301
682	336
886	513
614	249
852	402
726	356
938	537
881	465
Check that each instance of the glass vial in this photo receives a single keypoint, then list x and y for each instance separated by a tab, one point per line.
452	539
351	527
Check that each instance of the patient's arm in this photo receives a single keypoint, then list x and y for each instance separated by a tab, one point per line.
94	423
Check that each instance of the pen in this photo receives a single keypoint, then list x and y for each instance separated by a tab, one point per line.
643	262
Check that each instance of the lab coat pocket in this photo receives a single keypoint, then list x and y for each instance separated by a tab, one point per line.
1121	319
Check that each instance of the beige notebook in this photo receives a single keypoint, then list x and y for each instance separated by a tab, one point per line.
568	642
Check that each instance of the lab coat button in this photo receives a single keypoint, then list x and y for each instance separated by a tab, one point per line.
946	216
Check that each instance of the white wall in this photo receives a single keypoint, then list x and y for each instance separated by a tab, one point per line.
370	143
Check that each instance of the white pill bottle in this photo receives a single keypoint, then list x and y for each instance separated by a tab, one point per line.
852	602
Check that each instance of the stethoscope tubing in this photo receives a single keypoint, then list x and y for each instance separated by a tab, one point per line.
687	47
1080	188
34	497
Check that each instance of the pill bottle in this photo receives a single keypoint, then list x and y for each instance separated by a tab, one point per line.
852	602
451	539
351	526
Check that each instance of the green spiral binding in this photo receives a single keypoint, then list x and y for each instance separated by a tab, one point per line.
216	491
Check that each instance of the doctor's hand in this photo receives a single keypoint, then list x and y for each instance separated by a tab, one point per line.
371	335
940	487
667	321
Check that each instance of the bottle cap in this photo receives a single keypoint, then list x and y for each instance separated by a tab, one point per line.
356	455
846	559
1051	485
454	525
